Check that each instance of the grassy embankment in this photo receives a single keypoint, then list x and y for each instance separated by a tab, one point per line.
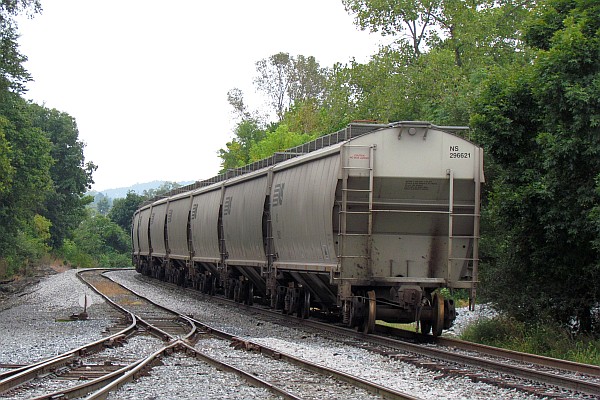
544	339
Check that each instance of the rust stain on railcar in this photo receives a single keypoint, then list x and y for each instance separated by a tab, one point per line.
435	252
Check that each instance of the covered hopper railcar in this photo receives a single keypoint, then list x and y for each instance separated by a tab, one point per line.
365	224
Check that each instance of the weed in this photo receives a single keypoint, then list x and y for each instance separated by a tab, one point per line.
543	338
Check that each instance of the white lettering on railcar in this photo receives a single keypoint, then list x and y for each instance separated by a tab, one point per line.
227	205
278	194
457	154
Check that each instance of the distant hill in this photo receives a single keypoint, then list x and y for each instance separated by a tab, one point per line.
138	188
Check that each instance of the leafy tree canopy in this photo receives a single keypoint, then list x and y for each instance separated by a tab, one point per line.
277	140
540	124
123	209
13	76
71	175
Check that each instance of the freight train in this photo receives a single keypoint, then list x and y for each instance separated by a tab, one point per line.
364	224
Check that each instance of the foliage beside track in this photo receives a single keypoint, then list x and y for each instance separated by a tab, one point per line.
543	338
43	173
524	75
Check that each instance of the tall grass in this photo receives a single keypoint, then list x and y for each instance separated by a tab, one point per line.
544	339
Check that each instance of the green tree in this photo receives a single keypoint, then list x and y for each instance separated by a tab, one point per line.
277	140
6	169
436	74
162	190
71	175
306	117
540	124
13	75
274	79
235	97
392	17
237	152
307	79
98	241
285	80
103	206
30	163
123	209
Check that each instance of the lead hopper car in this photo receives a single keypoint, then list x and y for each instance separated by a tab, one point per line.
365	224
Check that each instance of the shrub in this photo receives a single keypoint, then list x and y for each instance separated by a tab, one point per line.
543	338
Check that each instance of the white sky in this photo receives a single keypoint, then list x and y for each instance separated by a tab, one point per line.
147	81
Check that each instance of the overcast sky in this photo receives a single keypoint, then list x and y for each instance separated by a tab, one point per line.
147	81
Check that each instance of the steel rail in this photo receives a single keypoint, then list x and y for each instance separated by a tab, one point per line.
359	382
11	379
565	382
322	370
130	375
181	345
542	361
570	383
162	334
90	386
18	376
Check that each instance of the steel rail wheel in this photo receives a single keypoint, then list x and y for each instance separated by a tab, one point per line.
369	324
438	314
304	312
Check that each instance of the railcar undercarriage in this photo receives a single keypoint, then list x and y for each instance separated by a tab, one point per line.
366	305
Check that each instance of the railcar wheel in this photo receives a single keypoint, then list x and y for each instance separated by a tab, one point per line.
237	292
292	301
280	300
304	309
213	286
356	312
273	300
230	289
438	314
250	294
425	327
370	318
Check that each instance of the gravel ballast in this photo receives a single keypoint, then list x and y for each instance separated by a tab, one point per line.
36	324
401	376
31	330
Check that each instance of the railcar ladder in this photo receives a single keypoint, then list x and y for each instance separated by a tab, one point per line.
474	259
343	213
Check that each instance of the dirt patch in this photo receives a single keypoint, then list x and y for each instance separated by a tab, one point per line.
17	284
59	267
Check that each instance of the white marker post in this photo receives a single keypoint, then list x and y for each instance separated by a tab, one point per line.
85	300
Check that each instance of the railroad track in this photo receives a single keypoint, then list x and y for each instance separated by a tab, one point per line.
177	334
537	375
272	381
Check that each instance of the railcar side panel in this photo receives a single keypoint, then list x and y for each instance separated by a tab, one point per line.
302	201
204	224
157	229
243	206
135	233
177	224
143	233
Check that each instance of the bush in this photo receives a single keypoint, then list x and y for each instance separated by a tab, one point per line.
493	332
75	256
546	339
98	242
115	260
460	296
